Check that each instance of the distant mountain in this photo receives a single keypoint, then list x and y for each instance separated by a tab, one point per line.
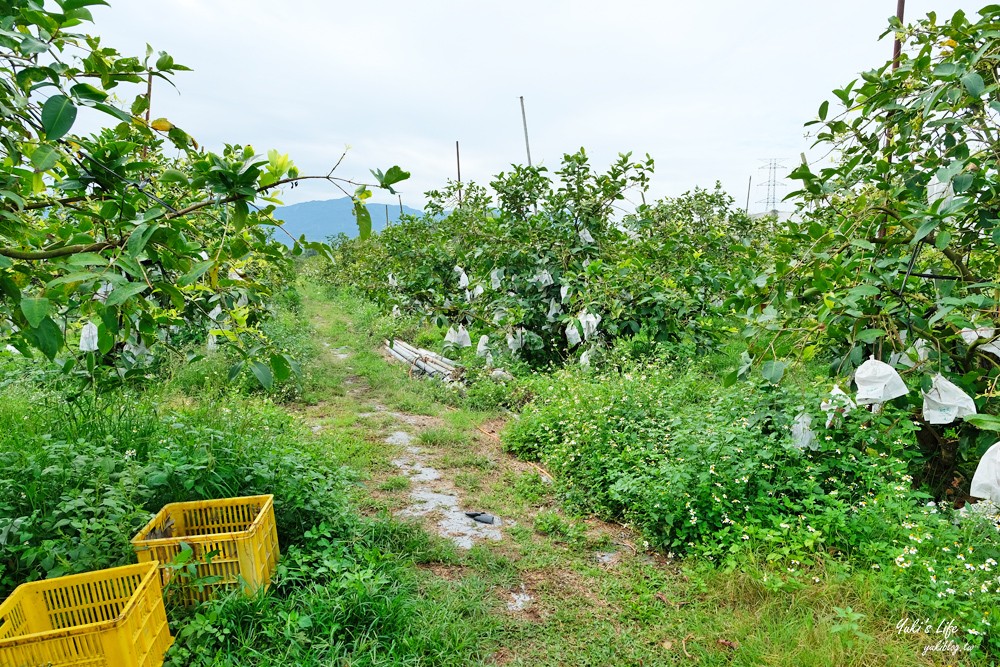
319	220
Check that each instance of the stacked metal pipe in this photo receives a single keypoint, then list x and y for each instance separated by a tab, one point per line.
424	361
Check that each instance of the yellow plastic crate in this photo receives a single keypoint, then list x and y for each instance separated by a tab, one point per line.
112	618
241	530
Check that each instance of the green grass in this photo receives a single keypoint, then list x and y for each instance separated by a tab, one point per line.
642	608
395	483
357	587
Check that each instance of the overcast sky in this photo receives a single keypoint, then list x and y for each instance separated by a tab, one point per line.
708	88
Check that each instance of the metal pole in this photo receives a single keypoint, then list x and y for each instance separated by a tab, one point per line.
897	47
386	215
749	182
458	165
400	205
897	50
524	121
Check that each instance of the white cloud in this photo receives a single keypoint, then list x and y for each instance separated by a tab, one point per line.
706	88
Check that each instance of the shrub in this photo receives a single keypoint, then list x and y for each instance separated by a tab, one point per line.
534	270
712	471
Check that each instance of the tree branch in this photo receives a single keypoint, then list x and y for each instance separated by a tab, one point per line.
227	200
35	255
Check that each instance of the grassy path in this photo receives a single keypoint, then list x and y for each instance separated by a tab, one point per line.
562	590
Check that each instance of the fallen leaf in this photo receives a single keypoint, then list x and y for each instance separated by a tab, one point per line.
667	644
729	644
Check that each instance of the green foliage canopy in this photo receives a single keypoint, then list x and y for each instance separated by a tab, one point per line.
534	266
898	239
125	239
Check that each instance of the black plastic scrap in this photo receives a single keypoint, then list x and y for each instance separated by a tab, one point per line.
481	517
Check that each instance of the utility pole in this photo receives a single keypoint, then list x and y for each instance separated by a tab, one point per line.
458	165
749	183
897	47
897	50
524	121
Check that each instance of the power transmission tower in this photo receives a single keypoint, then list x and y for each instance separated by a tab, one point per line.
772	184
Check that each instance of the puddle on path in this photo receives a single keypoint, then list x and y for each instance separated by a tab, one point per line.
399	438
433	501
417	421
607	558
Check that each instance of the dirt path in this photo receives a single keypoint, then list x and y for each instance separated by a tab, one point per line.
566	590
435	464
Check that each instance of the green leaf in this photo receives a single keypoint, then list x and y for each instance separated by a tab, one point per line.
942	240
282	369
961	183
174	294
77	16
31	75
112	110
824	109
773	371
151	214
85	91
974	84
870	335
860	291
925	229
947	70
234	370
140	237
105	340
165	61
15	198
70	5
31	46
391	177
730	378
120	295
173	176
240	212
109	318
86	259
263	374
47	337
58	115
45	157
364	218
35	310
984	422
196	272
74	277
9	287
